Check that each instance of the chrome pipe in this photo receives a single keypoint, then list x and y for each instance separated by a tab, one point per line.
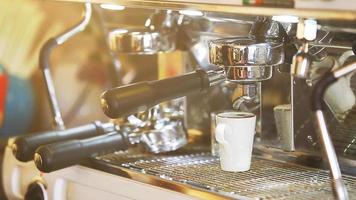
216	76
78	27
339	188
45	65
334	46
54	106
328	146
343	71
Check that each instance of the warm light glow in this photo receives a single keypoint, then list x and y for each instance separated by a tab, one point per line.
286	19
118	31
191	12
148	22
112	6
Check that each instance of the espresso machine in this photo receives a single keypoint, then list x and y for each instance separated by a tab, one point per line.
291	63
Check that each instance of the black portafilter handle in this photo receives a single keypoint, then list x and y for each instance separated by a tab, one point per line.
126	100
60	155
25	146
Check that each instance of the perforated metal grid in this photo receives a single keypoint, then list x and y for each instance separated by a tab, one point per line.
265	180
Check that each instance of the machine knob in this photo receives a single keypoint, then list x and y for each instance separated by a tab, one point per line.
36	191
307	29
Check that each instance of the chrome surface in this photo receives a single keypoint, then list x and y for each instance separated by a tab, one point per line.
163	21
345	70
331	45
339	189
200	176
245	51
341	73
289	23
247	98
248	73
319	53
267	28
141	41
158	34
52	97
211	26
301	62
341	127
306	31
154	135
171	136
226	8
216	76
77	28
54	106
339	29
328	146
201	171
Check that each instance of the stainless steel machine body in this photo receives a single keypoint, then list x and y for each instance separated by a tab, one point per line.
271	63
249	59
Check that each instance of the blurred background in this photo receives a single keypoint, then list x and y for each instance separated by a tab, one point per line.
81	67
25	26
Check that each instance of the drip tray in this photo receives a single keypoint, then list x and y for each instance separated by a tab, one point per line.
265	180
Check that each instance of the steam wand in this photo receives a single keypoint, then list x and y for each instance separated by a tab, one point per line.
306	32
339	189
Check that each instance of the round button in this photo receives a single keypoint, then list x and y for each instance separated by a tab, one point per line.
36	191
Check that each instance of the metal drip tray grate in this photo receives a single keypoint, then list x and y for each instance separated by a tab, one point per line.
265	180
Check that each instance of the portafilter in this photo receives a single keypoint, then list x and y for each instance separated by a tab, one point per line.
169	136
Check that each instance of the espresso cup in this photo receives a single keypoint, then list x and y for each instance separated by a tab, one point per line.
214	144
235	132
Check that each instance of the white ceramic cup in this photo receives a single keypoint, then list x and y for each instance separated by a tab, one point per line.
234	133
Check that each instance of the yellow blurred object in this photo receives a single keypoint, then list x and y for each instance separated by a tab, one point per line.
195	135
171	64
22	34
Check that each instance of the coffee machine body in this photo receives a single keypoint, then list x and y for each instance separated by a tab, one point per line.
181	62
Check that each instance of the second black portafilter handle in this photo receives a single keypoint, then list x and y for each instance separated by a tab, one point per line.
126	100
57	156
24	147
